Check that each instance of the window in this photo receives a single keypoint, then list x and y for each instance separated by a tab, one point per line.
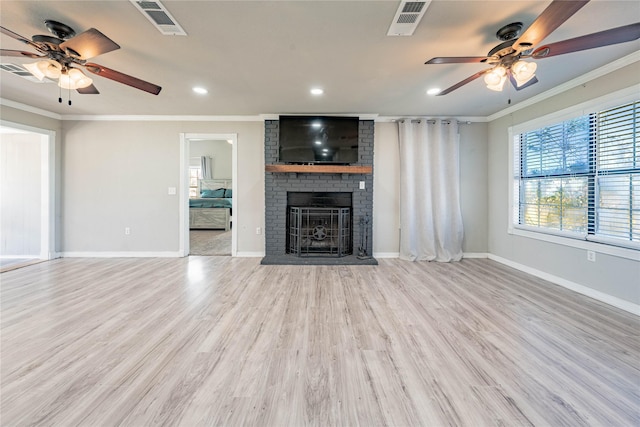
581	177
195	174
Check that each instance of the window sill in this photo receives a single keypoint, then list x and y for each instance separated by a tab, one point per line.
603	248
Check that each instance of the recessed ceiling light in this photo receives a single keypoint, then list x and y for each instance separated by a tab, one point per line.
434	91
317	91
200	90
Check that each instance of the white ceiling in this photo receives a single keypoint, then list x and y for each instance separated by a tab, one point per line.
262	57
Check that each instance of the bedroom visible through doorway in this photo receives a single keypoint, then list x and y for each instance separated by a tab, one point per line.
209	186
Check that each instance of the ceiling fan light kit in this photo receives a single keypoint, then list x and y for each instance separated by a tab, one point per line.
59	58
74	79
523	72
507	57
495	78
45	68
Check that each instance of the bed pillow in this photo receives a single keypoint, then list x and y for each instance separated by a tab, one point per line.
228	193
211	194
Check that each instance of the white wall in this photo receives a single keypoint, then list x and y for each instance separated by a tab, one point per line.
386	190
20	194
474	187
220	153
117	175
609	275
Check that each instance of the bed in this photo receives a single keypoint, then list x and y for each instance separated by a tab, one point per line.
212	210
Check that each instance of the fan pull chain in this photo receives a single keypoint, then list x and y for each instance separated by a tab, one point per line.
60	94
69	96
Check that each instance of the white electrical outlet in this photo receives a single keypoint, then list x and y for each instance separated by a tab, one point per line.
362	185
127	231
171	191
258	230
591	256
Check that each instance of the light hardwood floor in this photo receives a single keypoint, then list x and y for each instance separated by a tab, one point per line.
210	242
227	341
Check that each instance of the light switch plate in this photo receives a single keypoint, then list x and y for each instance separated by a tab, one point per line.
362	185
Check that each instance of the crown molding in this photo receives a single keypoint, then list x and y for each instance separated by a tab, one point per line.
29	109
161	118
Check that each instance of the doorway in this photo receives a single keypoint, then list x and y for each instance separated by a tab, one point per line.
208	175
27	194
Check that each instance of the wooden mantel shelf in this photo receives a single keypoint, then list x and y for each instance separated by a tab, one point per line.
318	169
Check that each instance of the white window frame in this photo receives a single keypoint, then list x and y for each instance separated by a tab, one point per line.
592	243
197	186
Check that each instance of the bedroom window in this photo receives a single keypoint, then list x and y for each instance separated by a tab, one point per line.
195	174
581	177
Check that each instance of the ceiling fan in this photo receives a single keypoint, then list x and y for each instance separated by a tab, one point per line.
507	58
61	55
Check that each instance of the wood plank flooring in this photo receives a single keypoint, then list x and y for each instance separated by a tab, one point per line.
227	341
210	242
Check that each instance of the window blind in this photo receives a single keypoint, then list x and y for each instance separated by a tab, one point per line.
617	204
582	176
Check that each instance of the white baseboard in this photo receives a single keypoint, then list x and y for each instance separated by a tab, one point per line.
475	255
581	289
250	254
19	256
121	254
397	255
386	255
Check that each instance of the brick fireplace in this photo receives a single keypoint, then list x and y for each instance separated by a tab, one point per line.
317	189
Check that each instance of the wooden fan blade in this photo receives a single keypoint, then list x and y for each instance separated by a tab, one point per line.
464	82
90	44
456	60
617	35
18	37
122	78
20	53
89	90
551	18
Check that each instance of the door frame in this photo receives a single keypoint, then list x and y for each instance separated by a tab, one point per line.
185	138
48	232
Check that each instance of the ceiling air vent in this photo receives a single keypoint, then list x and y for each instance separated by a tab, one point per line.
160	17
20	71
407	17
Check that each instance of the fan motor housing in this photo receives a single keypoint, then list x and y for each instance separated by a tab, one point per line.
58	29
509	31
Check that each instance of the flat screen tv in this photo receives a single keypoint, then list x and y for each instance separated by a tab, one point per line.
318	139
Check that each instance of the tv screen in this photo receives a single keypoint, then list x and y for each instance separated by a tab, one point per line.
318	139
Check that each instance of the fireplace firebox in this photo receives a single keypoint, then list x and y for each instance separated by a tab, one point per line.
319	231
319	224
